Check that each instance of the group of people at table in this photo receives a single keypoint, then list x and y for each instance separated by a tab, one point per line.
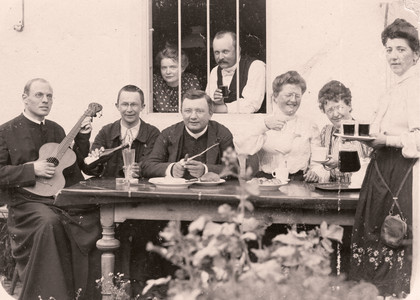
54	248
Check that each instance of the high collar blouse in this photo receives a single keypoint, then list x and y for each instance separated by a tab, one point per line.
398	114
289	147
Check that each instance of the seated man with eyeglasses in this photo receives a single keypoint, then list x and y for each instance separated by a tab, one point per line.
129	129
132	259
54	248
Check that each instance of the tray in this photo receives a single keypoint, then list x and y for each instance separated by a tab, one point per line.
355	137
335	186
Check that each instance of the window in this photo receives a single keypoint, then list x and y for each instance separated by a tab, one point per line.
188	27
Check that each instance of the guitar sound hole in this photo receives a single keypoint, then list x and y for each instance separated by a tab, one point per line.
53	160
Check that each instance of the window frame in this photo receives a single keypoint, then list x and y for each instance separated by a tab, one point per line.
149	103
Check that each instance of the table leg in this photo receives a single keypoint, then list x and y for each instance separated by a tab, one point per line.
107	244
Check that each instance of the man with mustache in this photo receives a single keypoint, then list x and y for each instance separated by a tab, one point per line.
250	98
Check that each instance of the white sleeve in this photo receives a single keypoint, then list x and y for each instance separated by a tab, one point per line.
254	91
212	83
250	141
324	175
409	141
168	170
410	144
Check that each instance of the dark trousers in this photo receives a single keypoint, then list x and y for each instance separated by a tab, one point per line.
133	260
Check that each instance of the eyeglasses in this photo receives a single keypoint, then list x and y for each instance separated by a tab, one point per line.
333	109
126	105
290	96
40	96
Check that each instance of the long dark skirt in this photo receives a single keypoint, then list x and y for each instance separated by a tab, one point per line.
55	252
387	268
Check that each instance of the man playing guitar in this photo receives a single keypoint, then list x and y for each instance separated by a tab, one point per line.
54	249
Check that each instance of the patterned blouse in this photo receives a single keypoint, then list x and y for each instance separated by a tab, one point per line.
165	97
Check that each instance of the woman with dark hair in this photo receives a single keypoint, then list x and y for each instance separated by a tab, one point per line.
335	102
166	84
283	139
396	149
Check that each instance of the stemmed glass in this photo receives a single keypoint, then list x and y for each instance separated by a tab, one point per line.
128	157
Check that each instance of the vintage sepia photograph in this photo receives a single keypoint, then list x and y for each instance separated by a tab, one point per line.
209	149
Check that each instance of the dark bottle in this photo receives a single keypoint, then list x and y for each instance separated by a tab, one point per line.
92	162
348	161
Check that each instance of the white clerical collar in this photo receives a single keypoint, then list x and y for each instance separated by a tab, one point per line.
196	135
32	119
128	135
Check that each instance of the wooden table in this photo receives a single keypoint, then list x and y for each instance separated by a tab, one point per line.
294	203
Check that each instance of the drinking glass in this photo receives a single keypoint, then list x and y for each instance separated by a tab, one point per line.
128	157
225	91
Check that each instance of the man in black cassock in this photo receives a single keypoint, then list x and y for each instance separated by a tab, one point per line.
54	249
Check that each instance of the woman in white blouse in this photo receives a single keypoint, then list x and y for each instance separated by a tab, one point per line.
397	147
283	139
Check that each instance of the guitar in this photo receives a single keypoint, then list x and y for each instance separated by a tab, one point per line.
62	156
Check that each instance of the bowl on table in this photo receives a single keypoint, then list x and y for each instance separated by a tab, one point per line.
170	182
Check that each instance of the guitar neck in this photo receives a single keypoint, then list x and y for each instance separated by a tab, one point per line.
66	142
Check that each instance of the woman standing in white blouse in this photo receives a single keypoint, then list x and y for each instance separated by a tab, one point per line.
397	146
283	139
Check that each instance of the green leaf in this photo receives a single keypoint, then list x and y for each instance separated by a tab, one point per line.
198	224
332	232
211	229
248	205
284	251
250	224
262	254
229	229
225	211
252	187
249	236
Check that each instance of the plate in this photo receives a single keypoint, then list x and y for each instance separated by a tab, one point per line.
335	186
355	137
320	161
271	187
170	183
210	183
